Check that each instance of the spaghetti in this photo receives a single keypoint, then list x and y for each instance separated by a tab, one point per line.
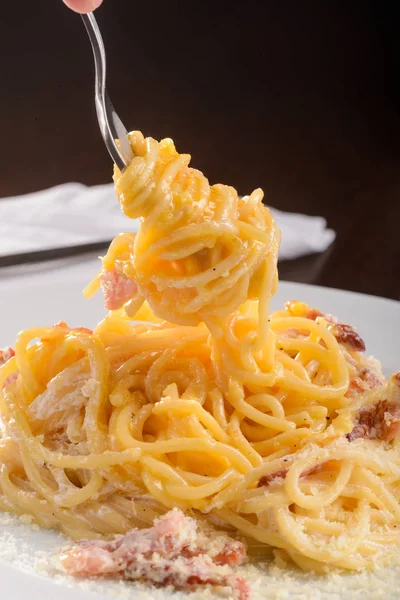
190	394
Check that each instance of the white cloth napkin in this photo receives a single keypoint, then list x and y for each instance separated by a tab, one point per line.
73	213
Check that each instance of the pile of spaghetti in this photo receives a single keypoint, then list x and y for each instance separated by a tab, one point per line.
191	394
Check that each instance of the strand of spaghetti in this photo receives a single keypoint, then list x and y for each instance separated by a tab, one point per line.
265	400
201	445
291	364
294	493
267	289
308	564
176	246
31	387
35	477
265	502
269	537
250	480
193	478
136	362
206	277
121	393
75	496
185	492
306	347
218	408
316	392
93	461
236	398
144	512
239	441
192	407
162	470
127	431
155	488
292	529
253	233
378	487
364	455
135	345
286	441
360	491
45	513
107	519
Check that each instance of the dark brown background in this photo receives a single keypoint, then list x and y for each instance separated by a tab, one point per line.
300	98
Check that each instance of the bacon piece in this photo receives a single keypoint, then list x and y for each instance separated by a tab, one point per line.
363	426
169	553
380	421
233	554
272	477
391	425
370	378
313	313
5	355
394	388
348	337
366	379
117	288
345	334
186	574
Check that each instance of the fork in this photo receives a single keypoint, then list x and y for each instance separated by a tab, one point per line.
111	126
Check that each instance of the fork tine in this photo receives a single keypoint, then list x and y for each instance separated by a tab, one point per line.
111	126
118	129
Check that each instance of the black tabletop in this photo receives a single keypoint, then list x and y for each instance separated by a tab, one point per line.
299	98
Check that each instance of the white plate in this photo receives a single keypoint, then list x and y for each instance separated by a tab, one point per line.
47	297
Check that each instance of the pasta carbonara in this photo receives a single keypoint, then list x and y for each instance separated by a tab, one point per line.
191	394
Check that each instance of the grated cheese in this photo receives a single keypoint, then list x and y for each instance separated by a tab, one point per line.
34	552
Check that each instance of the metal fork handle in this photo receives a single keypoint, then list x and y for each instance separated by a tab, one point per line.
111	126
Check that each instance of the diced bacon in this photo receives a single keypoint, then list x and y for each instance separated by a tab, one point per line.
394	389
233	554
117	288
363	426
169	553
5	355
313	313
371	378
187	574
381	420
348	337
345	334
274	477
366	379
391	423
242	588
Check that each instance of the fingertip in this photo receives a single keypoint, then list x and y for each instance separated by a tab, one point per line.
83	6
